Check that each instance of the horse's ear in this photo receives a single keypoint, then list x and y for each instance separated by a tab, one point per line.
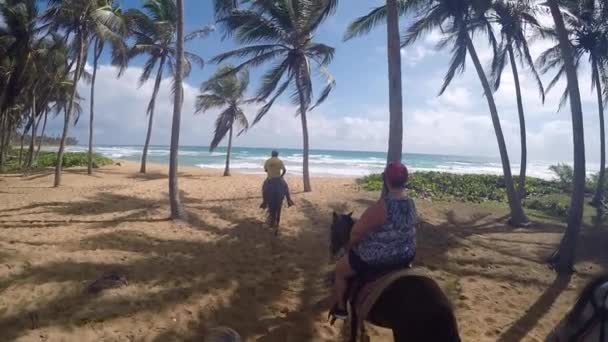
350	214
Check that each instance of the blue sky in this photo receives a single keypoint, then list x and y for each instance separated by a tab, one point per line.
355	117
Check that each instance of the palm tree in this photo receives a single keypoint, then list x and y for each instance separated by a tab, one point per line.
100	36
18	34
282	32
225	90
362	25
458	19
176	208
154	31
80	18
587	35
563	258
17	37
513	19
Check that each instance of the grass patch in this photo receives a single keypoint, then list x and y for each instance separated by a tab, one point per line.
550	199
49	159
469	188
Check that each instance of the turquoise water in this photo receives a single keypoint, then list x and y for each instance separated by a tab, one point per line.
322	162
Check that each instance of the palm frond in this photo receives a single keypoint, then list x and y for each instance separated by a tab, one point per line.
423	25
200	33
322	53
251	27
264	110
498	65
248	52
458	60
271	80
205	102
331	84
223	7
377	16
223	123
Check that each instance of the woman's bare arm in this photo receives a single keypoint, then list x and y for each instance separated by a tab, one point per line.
372	218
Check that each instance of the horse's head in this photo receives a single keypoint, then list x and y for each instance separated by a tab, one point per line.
584	321
341	226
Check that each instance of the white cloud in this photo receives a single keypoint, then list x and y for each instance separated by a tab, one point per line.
457	123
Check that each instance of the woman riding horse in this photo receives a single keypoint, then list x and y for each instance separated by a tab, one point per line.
383	239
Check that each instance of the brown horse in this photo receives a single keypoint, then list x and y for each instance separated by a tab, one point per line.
414	307
274	194
588	320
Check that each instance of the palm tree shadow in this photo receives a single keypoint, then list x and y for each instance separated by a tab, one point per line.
530	319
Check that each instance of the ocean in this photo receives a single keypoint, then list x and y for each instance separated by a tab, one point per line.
322	162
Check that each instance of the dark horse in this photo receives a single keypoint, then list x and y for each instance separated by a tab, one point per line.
274	194
588	320
414	307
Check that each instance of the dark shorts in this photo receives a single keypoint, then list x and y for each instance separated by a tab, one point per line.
363	268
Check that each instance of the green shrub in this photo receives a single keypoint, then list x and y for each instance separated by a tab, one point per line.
71	159
553	205
470	188
49	159
565	175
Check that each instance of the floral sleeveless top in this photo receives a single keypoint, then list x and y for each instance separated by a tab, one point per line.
395	240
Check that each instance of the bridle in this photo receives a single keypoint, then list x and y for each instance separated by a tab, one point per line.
600	316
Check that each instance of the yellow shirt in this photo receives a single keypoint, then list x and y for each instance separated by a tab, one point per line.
274	167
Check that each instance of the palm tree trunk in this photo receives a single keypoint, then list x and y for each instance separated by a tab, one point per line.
41	135
30	123
563	258
521	190
159	77
30	153
3	132
176	208
68	113
395	135
4	144
227	169
305	150
518	217
92	110
599	191
305	140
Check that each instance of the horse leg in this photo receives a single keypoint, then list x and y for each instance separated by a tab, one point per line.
354	326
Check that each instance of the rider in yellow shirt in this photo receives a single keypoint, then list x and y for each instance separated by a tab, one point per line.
275	168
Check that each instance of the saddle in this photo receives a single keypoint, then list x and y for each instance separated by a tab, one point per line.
365	291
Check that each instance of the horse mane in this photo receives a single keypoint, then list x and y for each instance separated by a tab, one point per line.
586	295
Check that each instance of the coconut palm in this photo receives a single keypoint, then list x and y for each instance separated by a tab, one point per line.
18	34
458	19
80	18
513	19
585	23
389	13
225	91
282	32
176	208
100	36
563	258
154	31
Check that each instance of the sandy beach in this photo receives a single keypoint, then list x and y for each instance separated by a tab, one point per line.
224	267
